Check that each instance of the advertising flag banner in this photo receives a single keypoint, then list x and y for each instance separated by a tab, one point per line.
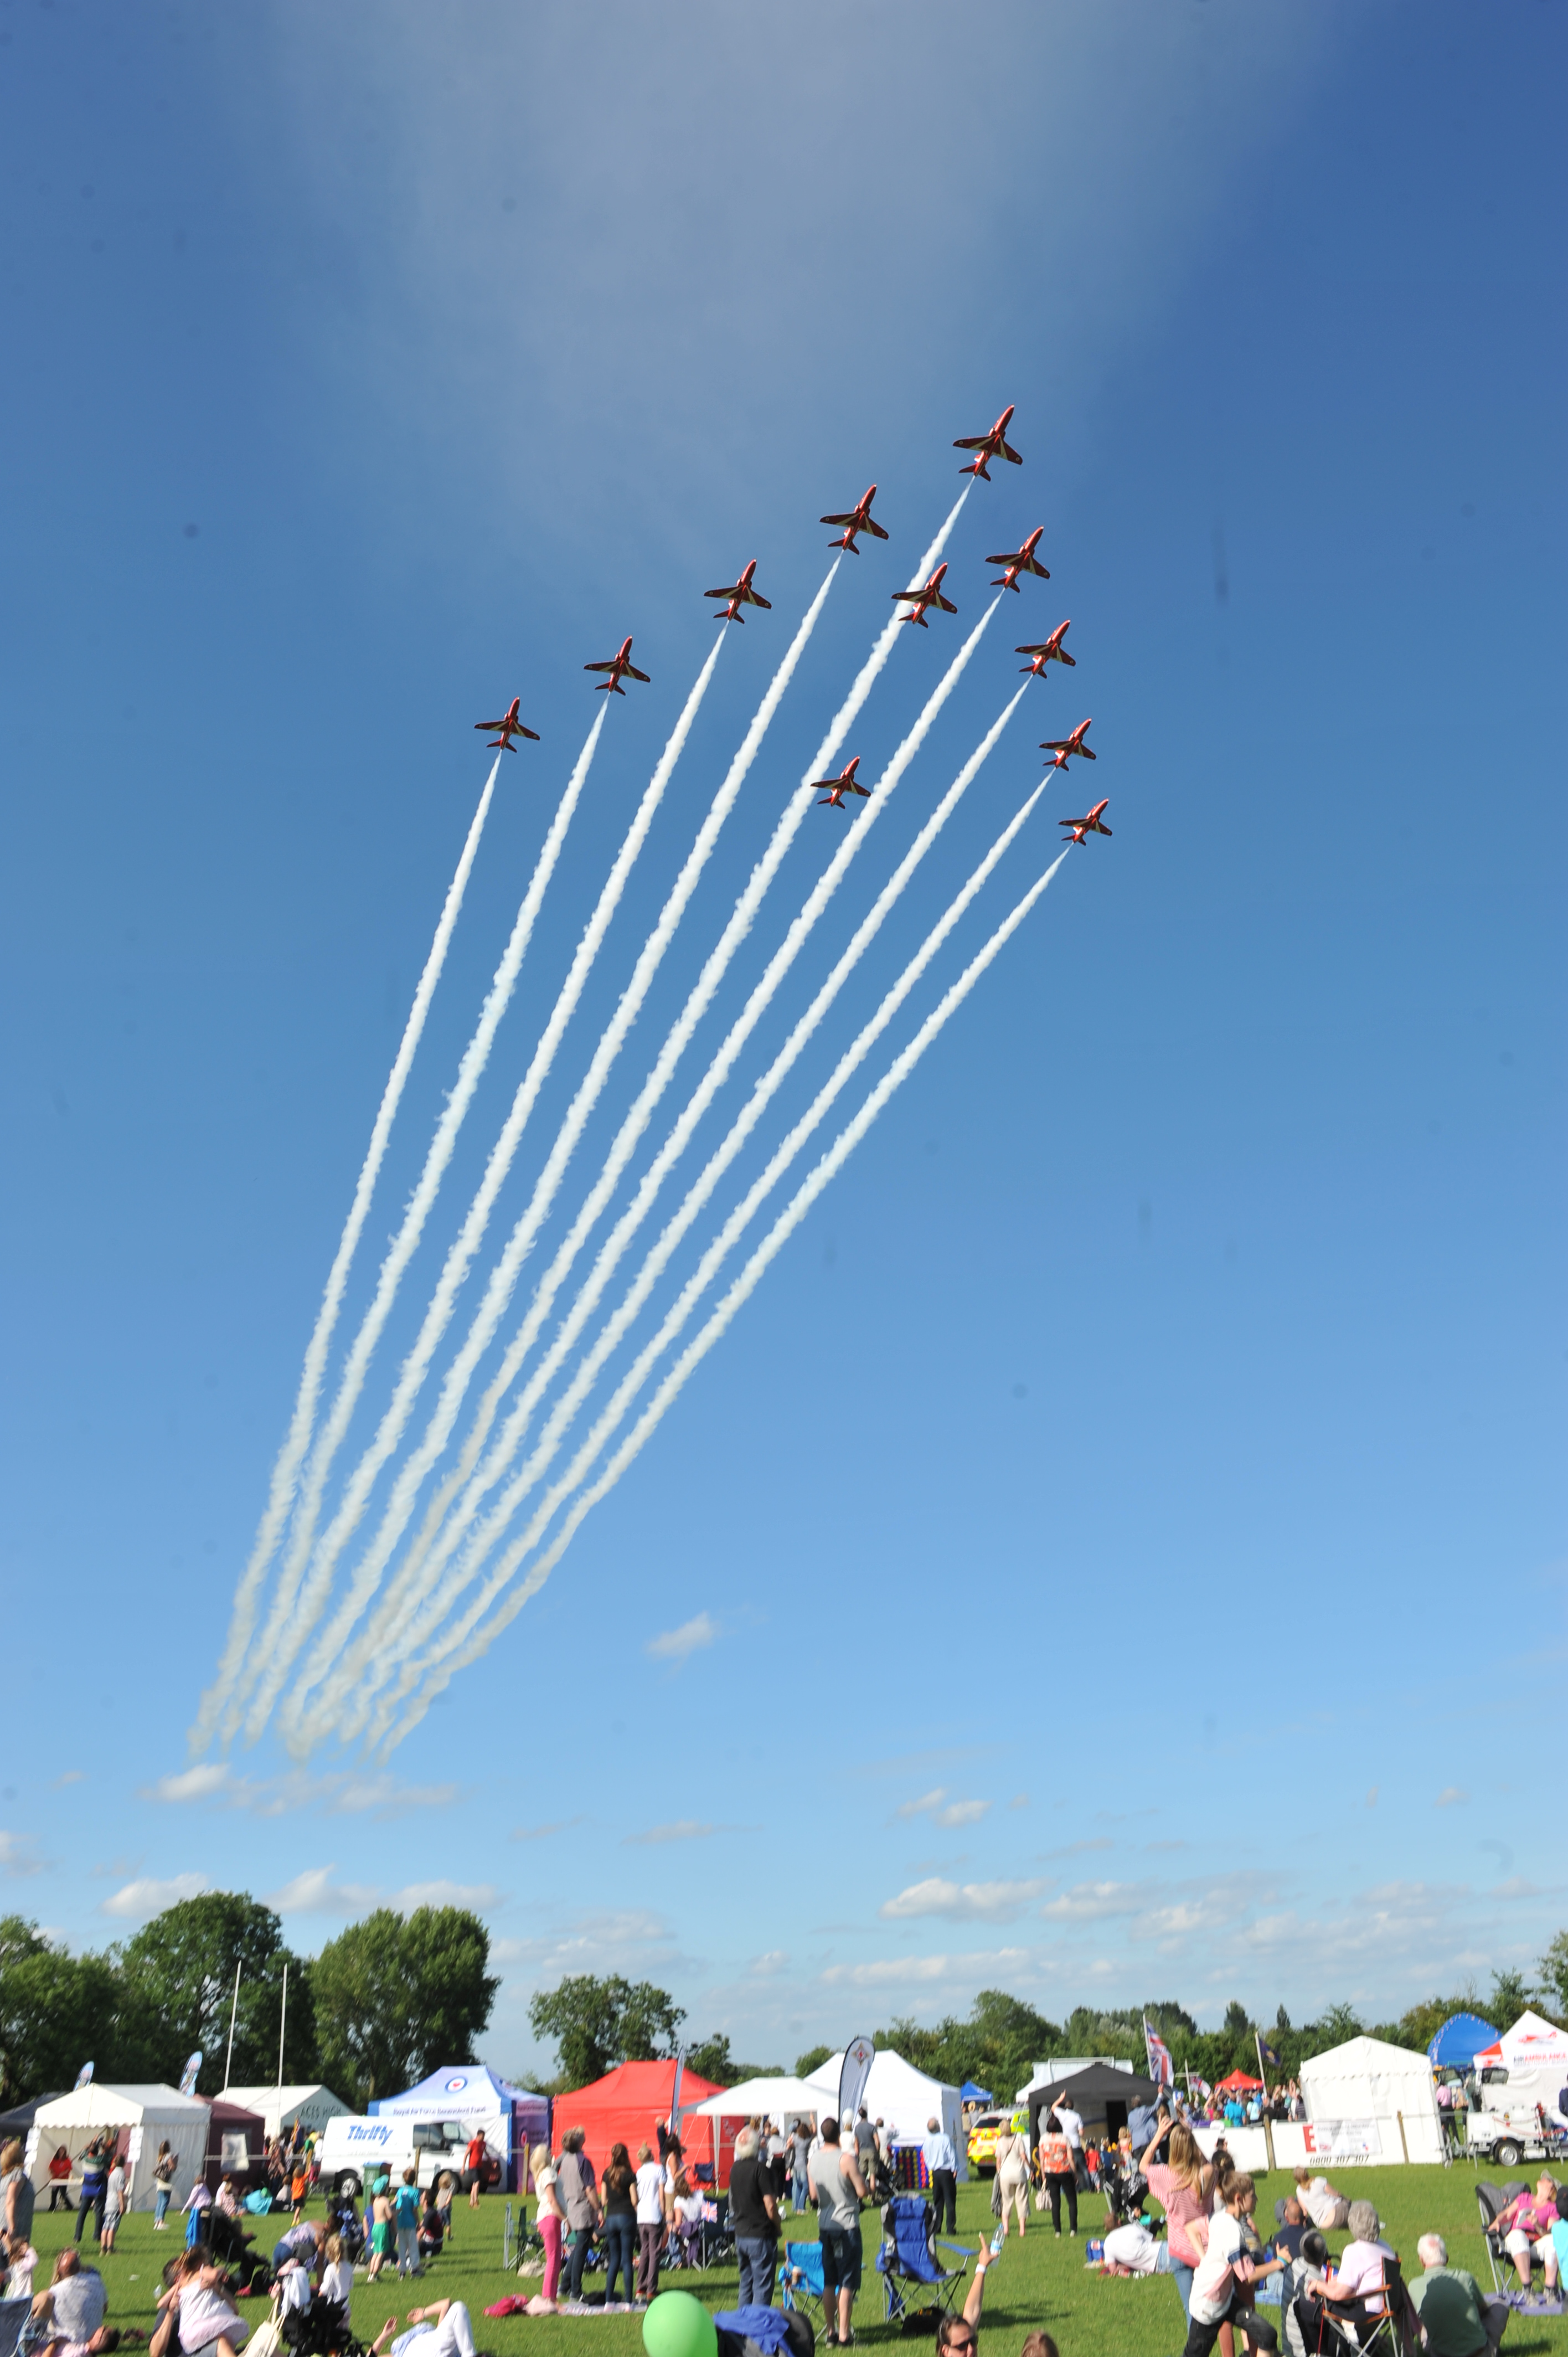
856	2071
675	2093
188	2076
84	2076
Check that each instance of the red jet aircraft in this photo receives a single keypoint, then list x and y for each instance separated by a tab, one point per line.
1049	649
993	444
1084	827
510	727
921	600
844	783
1062	748
621	668
858	520
740	593
1022	560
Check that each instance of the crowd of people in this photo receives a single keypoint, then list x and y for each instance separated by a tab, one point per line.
646	2212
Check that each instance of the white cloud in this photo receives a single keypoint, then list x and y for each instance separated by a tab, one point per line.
943	1811
149	1895
1019	1800
764	1968
683	1829
1450	1796
17	1855
616	1941
314	1892
677	1644
1091	1902
340	1794
542	1833
69	1776
962	1902
898	1972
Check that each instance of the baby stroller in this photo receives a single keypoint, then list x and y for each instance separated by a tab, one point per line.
231	2247
1125	2190
343	2220
318	2327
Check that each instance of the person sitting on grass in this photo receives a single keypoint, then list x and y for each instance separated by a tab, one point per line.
959	2336
1457	2320
198	2318
1132	2250
1329	2212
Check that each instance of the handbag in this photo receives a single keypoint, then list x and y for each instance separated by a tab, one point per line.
996	2197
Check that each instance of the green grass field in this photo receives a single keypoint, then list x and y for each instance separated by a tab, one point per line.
1038	2282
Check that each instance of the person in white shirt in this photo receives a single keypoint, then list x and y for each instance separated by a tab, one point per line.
654	2204
1071	2126
1224	2272
337	2275
943	2168
1358	2274
445	2324
1132	2250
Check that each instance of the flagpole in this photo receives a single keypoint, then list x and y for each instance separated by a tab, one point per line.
1263	2105
233	2009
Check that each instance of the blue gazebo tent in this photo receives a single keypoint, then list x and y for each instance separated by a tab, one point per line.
472	2095
1462	2037
970	2094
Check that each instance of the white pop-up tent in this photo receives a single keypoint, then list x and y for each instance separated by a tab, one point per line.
901	2096
147	2117
784	2100
472	2097
1534	2056
1368	2101
287	2108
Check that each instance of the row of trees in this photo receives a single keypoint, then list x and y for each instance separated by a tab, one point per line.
386	2002
594	2024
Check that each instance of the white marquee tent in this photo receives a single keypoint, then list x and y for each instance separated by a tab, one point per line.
1535	2053
284	2108
902	2097
762	2099
1368	2101
149	2114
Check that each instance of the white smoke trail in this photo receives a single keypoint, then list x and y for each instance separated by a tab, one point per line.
409	1583
461	1648
504	1278
389	1640
285	1472
415	1367
393	1634
290	1619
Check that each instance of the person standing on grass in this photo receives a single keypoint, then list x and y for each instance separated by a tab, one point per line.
839	2190
1225	2274
620	2222
1012	2178
754	2215
1071	2123
115	2200
406	2217
653	2208
474	2166
550	2221
941	2163
1059	2173
16	2195
95	2188
383	2241
580	2201
795	2152
60	2179
163	2186
1179	2184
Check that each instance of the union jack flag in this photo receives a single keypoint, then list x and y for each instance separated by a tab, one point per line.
1162	2071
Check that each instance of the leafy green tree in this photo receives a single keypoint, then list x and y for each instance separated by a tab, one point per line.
598	2023
998	2047
394	1996
59	2011
1510	1997
1554	1979
811	2059
711	2058
179	1970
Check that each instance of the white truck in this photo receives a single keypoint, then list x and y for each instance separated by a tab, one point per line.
354	2145
1518	2115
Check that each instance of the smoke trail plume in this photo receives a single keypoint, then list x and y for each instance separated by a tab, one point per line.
389	1433
439	1675
285	1472
388	1641
499	1292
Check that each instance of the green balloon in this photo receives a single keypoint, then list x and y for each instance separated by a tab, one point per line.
675	2324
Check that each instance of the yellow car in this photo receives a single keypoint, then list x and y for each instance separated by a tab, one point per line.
982	2137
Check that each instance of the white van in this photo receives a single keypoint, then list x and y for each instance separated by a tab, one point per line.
353	2144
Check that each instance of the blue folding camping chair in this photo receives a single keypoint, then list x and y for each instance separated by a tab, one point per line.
913	2276
800	2284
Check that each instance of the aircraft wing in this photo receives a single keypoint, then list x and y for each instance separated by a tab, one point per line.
1087	751
874	529
632	672
1009	452
946	604
845	519
973	442
733	591
766	603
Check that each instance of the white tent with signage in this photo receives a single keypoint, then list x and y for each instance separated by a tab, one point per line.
146	2116
900	2096
287	2108
1369	2101
1535	2053
782	2100
472	2095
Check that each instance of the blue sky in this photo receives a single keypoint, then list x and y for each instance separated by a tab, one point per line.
1120	1548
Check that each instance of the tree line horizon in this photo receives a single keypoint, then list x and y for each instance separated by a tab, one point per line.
395	1996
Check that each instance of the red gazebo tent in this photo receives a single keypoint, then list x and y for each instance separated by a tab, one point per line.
628	2104
1237	2083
